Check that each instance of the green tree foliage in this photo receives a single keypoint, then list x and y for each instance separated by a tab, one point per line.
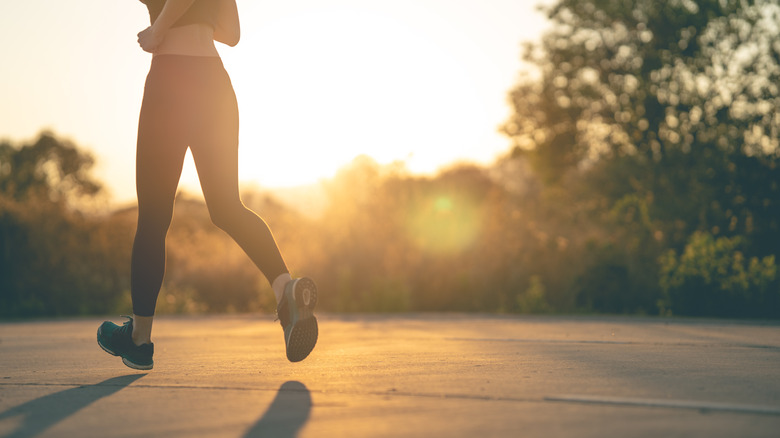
712	277
52	256
50	169
652	121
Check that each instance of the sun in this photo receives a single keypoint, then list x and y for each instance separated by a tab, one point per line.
321	86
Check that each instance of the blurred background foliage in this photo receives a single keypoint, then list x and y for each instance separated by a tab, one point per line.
643	180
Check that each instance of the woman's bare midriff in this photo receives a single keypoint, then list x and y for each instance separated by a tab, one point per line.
189	40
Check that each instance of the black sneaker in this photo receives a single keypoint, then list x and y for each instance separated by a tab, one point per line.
118	341
298	321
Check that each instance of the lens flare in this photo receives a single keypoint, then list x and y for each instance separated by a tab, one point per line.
444	224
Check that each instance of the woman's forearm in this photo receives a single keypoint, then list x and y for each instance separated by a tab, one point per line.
227	29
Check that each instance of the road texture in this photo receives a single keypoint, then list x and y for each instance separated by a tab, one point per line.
398	376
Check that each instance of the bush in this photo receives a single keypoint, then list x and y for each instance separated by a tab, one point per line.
56	259
713	277
533	300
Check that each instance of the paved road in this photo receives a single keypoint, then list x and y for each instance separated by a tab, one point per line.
398	376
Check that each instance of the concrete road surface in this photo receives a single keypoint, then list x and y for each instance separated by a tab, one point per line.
398	376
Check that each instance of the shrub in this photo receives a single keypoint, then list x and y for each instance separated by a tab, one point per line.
713	277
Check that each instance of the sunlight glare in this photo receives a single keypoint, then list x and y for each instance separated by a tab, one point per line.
366	84
444	225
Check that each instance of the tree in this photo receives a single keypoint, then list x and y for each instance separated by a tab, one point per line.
54	259
667	106
49	169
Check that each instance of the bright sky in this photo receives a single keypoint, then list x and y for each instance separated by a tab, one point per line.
318	82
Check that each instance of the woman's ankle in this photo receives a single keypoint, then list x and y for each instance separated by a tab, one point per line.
279	284
142	329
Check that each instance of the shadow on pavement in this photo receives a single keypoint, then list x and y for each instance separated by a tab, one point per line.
44	412
287	414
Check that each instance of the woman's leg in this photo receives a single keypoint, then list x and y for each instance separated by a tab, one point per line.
158	171
218	173
159	159
215	151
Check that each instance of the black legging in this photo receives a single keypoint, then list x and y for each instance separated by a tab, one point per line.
189	102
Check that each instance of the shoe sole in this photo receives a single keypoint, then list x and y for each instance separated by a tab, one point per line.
304	332
136	366
125	361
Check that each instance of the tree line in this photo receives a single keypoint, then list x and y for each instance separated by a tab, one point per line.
643	180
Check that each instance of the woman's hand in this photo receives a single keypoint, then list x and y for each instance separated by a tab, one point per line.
148	39
152	36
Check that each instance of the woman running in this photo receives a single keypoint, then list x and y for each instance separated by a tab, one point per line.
189	103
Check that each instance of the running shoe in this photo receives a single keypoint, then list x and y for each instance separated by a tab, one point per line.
297	319
118	341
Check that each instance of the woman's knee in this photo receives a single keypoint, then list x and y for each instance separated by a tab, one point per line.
226	216
154	222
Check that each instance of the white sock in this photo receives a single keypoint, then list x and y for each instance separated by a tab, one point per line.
279	284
